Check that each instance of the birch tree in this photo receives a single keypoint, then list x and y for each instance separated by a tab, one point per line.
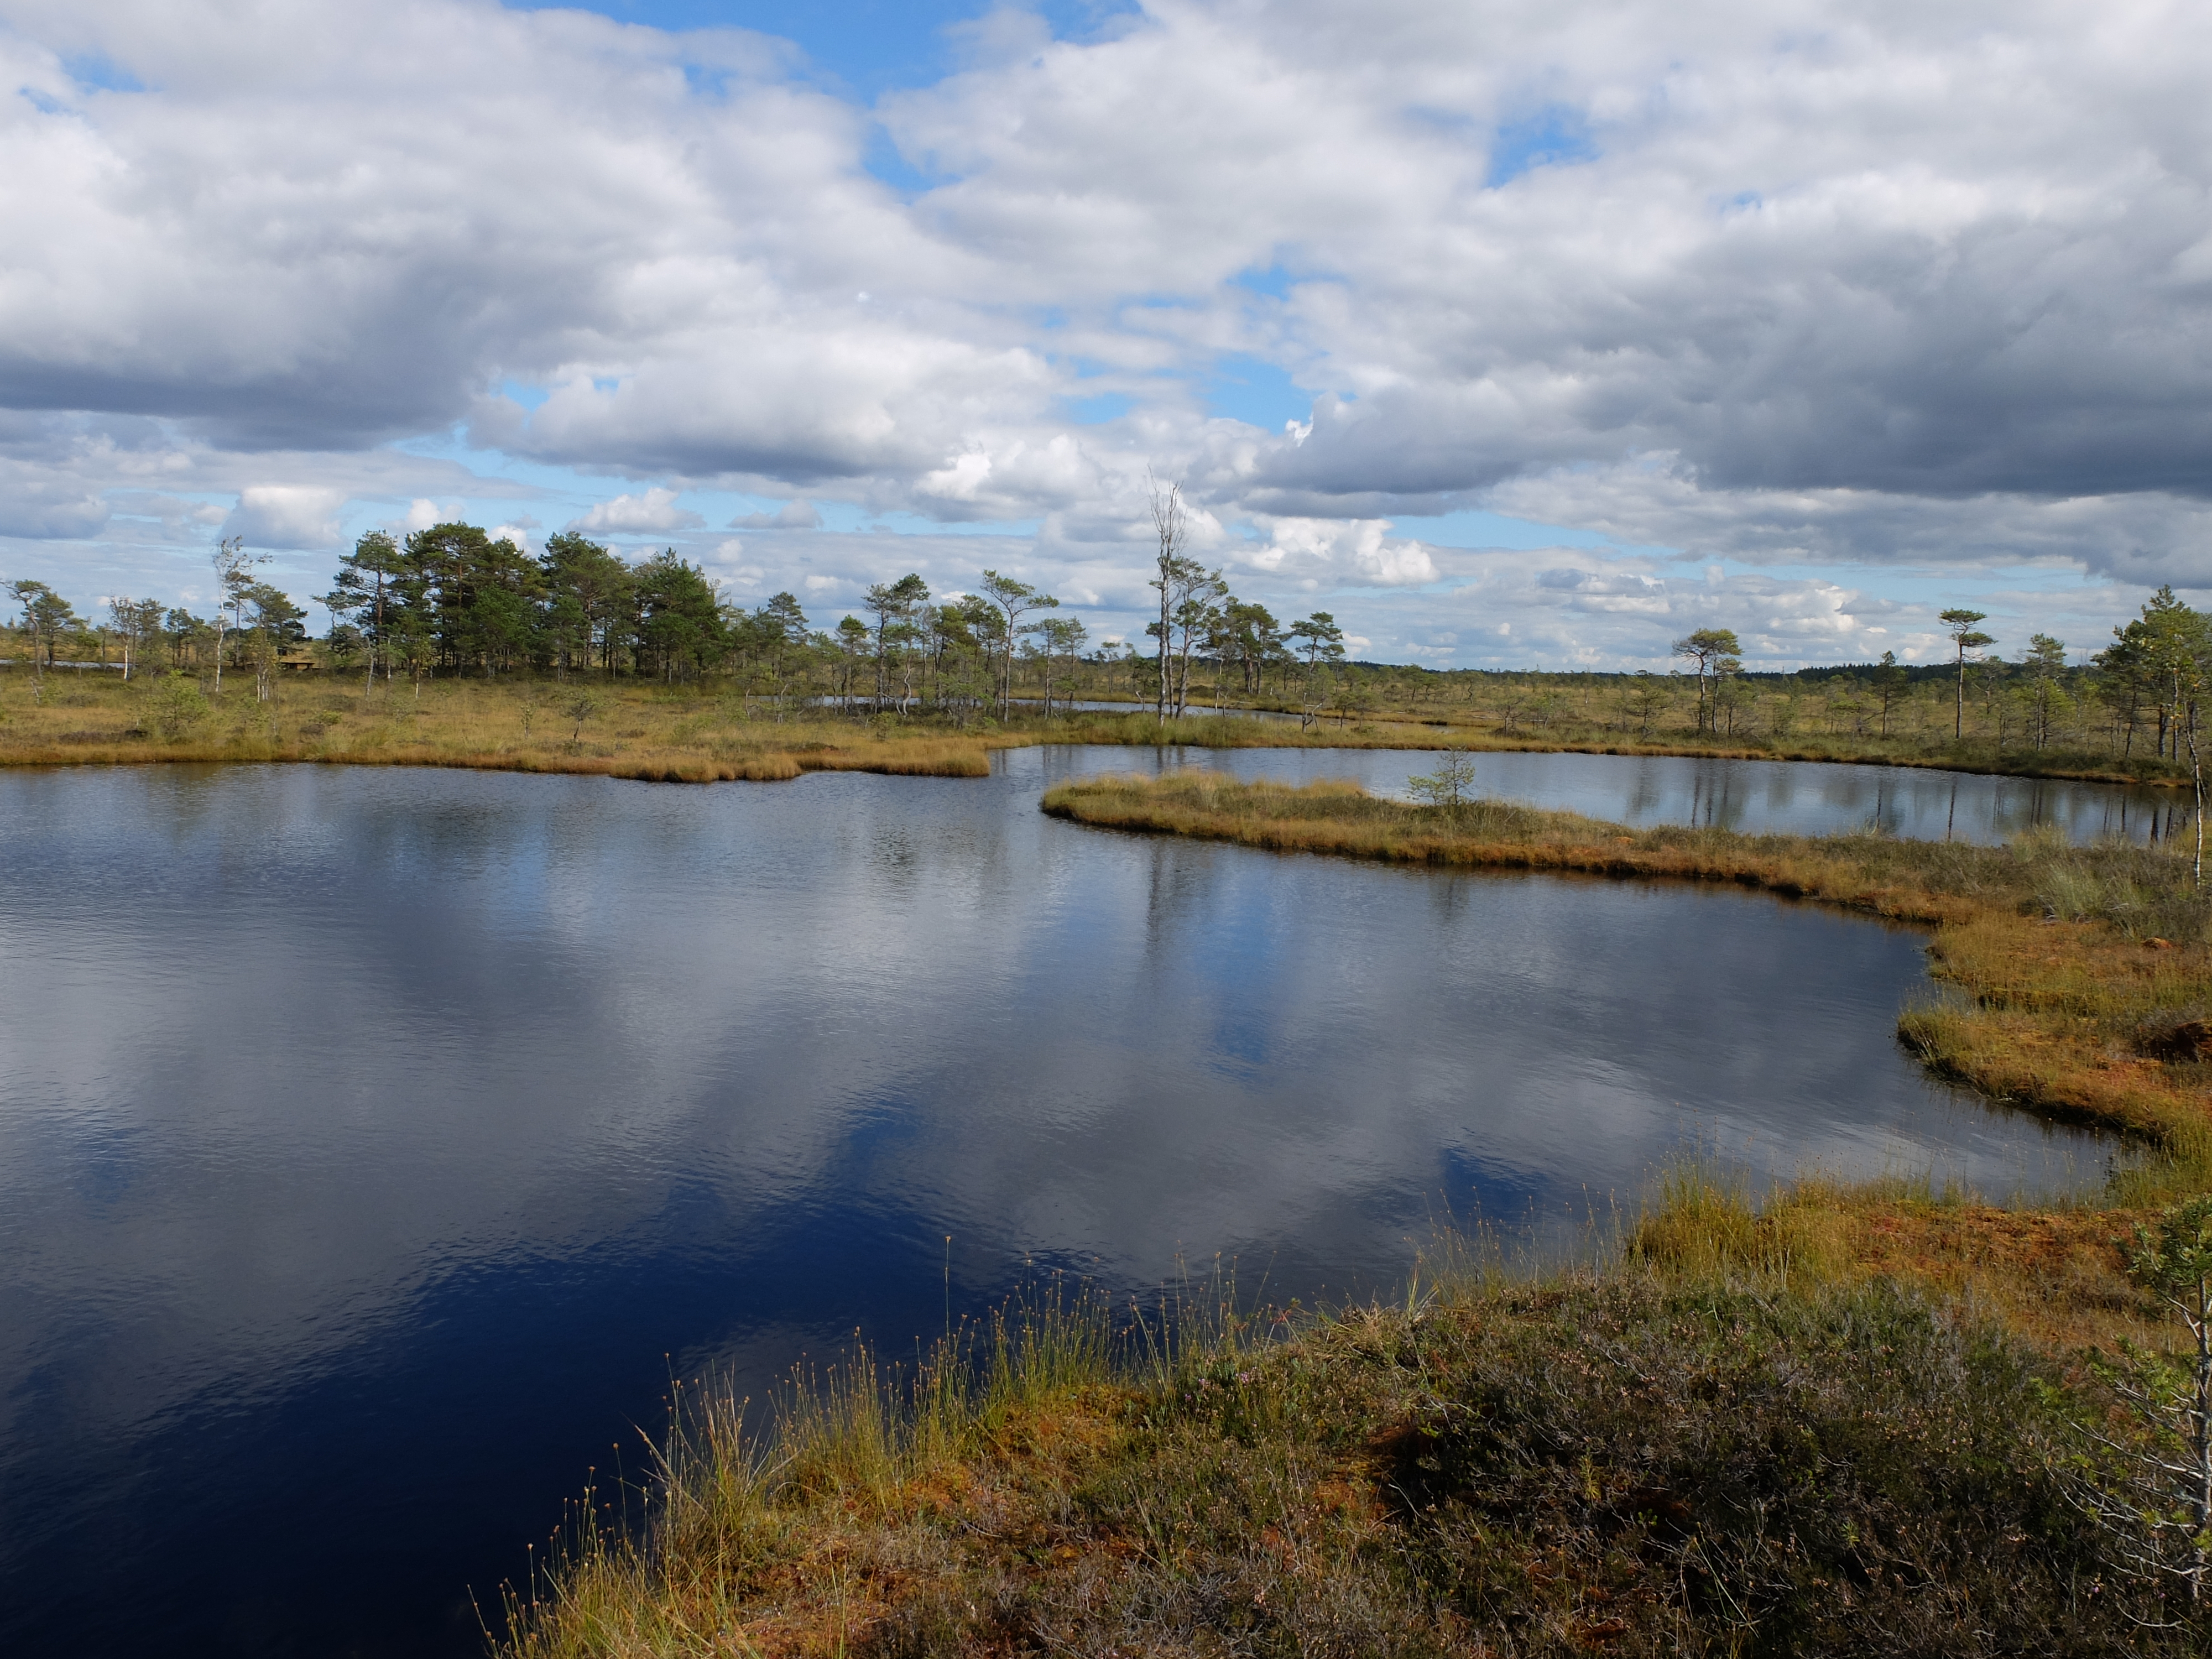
1013	600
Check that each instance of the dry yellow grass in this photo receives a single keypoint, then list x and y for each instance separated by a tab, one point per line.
654	734
713	731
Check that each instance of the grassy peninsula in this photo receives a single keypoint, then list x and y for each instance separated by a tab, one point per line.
1842	1420
2087	970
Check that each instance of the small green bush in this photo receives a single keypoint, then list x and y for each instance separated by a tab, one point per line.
174	705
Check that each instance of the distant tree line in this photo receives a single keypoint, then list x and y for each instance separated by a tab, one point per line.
452	600
253	626
2144	688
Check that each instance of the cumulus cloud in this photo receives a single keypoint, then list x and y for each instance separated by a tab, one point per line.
286	516
1354	550
651	513
422	513
2145	538
1819	282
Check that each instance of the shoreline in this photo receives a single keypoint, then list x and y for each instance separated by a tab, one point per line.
954	753
2067	1015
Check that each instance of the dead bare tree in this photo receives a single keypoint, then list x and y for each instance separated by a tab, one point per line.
1172	528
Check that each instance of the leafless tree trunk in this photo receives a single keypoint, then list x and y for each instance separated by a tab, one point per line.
1173	530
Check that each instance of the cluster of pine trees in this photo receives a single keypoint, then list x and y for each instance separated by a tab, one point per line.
452	599
2155	673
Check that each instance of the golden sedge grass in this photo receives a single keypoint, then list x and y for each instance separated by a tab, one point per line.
715	732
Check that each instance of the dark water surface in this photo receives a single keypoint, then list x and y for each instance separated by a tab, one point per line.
374	1144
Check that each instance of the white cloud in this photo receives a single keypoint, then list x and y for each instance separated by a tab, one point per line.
38	506
653	512
1825	283
422	513
286	516
1353	551
2143	536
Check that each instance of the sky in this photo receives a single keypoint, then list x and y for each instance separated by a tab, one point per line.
1516	333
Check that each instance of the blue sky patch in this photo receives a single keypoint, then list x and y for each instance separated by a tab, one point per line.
1251	390
883	161
1555	135
871	46
1275	281
95	70
1098	408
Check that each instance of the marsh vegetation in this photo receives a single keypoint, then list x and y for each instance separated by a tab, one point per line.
1740	1432
1835	1418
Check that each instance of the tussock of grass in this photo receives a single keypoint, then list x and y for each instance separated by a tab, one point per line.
2073	1002
1790	1457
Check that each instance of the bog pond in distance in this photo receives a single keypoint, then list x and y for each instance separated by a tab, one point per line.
1756	797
